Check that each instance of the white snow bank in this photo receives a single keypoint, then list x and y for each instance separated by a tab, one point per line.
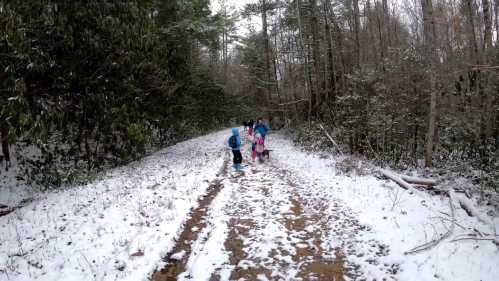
13	190
399	219
117	228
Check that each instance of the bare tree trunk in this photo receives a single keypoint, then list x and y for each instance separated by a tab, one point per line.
495	99
312	85
488	113
305	57
496	16
432	123
478	58
386	23
331	89
341	50
316	56
224	44
430	46
487	20
4	136
382	43
370	54
288	76
292	78
266	42
471	24
356	19
277	71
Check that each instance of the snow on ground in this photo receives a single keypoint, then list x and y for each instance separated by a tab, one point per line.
274	226
117	228
207	254
294	217
399	219
252	235
12	190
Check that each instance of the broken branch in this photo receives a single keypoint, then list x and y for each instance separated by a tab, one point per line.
292	102
435	242
473	238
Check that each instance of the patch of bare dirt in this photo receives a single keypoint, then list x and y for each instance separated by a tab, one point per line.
235	246
308	257
311	256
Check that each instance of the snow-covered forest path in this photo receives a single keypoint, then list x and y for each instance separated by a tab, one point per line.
269	224
182	213
272	232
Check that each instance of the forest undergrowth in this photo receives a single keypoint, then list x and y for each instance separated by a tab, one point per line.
472	175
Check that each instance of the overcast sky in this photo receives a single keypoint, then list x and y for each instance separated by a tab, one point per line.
237	3
401	6
243	24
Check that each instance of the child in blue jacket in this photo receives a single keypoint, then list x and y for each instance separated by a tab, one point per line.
235	144
261	128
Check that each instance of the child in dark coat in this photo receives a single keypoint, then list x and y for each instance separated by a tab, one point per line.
261	128
235	143
250	127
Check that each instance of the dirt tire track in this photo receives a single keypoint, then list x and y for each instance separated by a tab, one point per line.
192	228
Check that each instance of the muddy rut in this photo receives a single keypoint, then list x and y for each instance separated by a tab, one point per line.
176	264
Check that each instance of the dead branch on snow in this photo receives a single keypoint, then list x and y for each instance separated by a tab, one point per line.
433	243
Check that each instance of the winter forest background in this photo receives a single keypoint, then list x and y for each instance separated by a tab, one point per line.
87	85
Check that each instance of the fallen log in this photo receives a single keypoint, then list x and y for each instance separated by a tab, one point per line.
463	201
470	209
6	211
394	177
467	206
421	181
